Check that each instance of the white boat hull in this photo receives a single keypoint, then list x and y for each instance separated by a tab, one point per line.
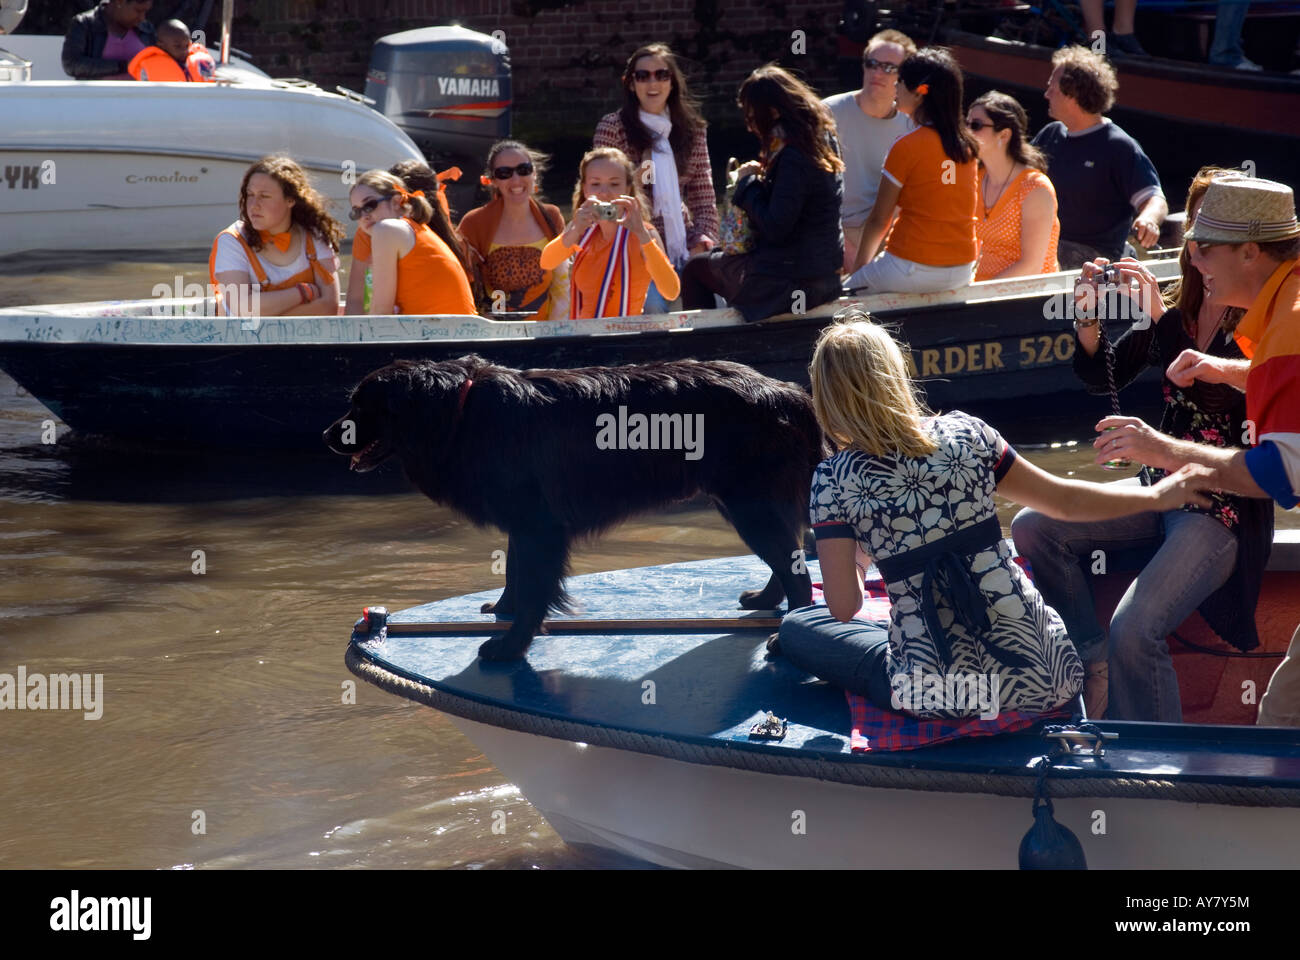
676	814
117	165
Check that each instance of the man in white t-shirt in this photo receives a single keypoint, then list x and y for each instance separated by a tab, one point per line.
868	122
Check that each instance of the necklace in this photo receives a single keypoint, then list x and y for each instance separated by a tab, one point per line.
988	208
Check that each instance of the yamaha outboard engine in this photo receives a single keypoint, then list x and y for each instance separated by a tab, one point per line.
449	90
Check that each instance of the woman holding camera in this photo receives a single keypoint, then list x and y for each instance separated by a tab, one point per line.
1207	558
616	251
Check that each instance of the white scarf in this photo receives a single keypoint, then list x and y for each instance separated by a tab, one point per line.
667	192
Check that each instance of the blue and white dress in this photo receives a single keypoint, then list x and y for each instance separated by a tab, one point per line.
960	603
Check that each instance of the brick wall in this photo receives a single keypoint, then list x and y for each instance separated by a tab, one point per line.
567	55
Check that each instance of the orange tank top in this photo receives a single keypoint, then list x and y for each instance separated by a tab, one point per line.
430	279
998	229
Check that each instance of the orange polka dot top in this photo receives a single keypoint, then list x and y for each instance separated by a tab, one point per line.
998	229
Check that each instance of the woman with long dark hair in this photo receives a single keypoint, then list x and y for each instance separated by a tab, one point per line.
661	130
1017	228
1209	558
930	176
791	195
508	234
281	256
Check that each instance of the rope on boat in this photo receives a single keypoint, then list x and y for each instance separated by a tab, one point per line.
859	774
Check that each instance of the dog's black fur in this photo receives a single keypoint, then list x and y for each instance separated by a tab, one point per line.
521	455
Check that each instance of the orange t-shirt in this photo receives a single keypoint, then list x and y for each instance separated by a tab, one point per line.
643	265
430	279
998	231
936	220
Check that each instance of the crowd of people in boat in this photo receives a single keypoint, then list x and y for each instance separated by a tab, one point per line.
913	493
893	187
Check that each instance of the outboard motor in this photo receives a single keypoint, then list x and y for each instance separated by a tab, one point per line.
449	90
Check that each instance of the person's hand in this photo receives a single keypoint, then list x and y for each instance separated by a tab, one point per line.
585	215
1146	230
1128	438
704	245
1192	365
1128	276
750	168
1184	486
631	217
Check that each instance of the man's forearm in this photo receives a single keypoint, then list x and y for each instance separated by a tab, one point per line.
1229	463
1156	207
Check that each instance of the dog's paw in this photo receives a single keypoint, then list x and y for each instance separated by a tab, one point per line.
765	599
773	646
502	608
505	646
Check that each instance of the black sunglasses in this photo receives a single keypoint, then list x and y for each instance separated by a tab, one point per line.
978	125
505	173
357	213
871	63
643	76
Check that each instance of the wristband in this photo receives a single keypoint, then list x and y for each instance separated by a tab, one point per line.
1085	324
307	293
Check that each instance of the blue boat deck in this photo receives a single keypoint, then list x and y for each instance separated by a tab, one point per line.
708	688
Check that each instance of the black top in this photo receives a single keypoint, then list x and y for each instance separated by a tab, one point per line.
1212	413
795	212
84	43
1096	176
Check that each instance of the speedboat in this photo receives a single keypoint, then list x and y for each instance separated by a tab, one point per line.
127	369
649	725
108	165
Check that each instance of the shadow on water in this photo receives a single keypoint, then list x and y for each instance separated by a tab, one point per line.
89	469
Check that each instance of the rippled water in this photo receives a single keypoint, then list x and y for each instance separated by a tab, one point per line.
224	692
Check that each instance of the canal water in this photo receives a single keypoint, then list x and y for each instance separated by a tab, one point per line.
228	736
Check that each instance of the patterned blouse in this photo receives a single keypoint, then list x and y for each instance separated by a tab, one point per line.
896	504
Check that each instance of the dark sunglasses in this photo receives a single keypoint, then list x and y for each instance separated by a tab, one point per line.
505	173
978	125
643	76
358	212
871	63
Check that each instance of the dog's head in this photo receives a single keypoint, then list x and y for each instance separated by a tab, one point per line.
406	408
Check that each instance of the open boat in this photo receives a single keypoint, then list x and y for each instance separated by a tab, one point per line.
633	737
169	371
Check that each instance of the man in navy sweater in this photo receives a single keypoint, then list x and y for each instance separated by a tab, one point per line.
1106	186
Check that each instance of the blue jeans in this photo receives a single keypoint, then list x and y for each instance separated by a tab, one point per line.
1192	555
850	655
1229	18
654	301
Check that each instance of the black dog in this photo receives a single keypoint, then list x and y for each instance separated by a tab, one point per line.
549	456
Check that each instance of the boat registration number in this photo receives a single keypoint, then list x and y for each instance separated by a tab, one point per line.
1036	351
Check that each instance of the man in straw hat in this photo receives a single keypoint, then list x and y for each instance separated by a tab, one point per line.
1246	243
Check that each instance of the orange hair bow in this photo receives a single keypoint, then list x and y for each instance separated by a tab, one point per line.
923	89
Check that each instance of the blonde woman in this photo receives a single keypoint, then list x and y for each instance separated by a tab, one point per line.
616	250
914	493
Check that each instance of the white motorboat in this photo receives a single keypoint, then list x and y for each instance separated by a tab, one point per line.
112	165
638	733
109	165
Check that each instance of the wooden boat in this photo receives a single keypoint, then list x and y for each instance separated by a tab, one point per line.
1184	113
169	372
635	740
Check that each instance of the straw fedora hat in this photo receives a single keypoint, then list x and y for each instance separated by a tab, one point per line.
1241	209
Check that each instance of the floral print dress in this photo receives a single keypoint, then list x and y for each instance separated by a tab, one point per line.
896	504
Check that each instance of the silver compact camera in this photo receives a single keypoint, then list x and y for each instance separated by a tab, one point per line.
606	211
1110	274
